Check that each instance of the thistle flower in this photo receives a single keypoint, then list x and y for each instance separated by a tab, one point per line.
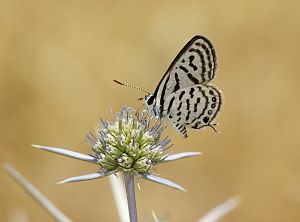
130	144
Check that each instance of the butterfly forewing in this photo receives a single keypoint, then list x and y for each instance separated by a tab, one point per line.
195	64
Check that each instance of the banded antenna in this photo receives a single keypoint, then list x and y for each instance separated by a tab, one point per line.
135	87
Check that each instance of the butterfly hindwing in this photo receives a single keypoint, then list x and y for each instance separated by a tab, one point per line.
180	129
195	106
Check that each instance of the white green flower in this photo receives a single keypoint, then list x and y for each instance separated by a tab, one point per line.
131	143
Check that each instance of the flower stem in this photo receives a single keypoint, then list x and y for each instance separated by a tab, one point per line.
118	189
129	185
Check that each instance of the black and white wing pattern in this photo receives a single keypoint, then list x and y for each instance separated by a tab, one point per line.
184	95
195	64
194	106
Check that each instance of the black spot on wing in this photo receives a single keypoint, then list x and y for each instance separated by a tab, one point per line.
192	90
184	69
187	104
192	78
179	107
170	104
191	59
196	104
176	87
188	115
195	107
197	125
206	119
181	95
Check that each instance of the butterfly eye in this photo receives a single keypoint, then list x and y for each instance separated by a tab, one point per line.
150	100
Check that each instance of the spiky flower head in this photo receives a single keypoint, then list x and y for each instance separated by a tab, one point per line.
130	143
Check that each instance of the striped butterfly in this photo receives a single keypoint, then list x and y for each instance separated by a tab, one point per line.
184	95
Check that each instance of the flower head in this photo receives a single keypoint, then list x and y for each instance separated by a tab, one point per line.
130	143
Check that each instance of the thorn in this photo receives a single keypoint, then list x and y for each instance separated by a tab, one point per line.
61	182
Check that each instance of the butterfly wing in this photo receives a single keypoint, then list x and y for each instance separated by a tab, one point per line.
180	128
196	106
195	64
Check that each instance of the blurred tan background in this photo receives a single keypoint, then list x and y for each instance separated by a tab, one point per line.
58	59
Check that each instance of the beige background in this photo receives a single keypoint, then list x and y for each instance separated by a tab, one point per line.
58	59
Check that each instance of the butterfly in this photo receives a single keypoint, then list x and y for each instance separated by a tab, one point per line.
184	95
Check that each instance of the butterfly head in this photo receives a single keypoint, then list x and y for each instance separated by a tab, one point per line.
149	102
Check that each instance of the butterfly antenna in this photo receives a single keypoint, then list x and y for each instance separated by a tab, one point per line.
135	87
